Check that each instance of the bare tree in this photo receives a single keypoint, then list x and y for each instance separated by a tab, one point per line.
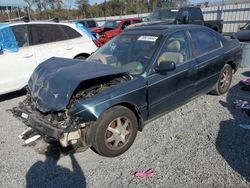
83	6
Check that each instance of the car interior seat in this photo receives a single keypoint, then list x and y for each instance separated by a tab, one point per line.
172	53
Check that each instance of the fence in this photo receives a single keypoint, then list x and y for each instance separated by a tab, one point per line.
233	15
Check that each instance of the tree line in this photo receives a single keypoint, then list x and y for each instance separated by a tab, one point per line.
78	9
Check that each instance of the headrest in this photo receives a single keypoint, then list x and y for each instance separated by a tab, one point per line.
174	46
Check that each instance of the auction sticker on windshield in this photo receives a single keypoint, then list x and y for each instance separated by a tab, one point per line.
148	38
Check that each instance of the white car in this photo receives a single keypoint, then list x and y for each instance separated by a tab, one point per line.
24	45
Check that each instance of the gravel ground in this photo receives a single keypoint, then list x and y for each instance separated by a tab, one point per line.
198	145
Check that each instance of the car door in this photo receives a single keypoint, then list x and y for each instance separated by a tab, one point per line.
17	67
48	41
170	89
208	51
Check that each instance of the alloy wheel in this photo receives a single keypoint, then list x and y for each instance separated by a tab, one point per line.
118	133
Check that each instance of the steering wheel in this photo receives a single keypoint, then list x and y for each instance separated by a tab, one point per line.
134	67
142	59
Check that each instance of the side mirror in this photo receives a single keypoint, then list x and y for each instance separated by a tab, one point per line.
165	66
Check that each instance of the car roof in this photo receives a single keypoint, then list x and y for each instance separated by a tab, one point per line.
40	22
160	28
125	19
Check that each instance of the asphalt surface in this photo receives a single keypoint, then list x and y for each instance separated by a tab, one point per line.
198	145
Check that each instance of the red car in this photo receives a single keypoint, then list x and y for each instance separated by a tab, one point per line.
112	28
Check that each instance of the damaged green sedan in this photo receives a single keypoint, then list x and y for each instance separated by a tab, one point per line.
143	73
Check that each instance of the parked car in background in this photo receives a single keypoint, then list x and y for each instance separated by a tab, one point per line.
89	23
185	15
167	14
24	45
243	35
112	28
193	15
142	73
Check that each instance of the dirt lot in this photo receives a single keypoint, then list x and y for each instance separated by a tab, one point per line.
198	145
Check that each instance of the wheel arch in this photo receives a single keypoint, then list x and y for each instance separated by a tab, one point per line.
135	110
232	64
131	107
82	54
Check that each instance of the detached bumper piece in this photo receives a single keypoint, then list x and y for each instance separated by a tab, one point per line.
29	136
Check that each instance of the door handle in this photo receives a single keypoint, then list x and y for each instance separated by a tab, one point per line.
28	55
201	66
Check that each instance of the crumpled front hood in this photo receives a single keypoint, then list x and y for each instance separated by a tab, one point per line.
54	81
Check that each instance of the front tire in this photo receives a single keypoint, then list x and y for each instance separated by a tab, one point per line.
115	131
224	81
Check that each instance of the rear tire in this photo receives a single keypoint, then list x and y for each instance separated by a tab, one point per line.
224	81
115	131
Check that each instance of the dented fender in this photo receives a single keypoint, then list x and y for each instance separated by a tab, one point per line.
92	108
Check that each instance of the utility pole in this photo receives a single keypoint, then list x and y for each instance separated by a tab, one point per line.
105	10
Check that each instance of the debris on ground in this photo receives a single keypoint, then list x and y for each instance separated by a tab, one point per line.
147	173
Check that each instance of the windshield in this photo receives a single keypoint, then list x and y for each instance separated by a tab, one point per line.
111	24
166	14
247	26
132	52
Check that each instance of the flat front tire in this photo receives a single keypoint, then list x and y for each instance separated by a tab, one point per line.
115	131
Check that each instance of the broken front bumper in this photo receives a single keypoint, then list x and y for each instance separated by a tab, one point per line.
31	120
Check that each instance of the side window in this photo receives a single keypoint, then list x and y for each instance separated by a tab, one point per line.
248	27
175	49
125	24
21	34
46	33
203	42
91	23
71	33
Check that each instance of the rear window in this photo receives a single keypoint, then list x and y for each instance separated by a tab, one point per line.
46	33
111	24
196	14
